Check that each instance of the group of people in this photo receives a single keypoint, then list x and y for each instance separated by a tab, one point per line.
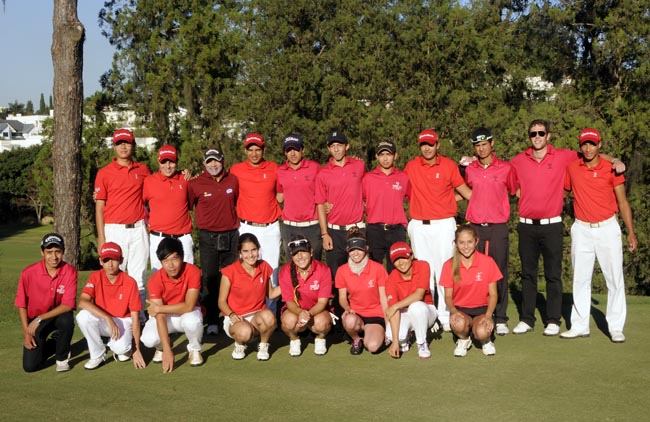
387	292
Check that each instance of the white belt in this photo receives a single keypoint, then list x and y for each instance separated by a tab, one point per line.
360	225
599	224
541	221
300	223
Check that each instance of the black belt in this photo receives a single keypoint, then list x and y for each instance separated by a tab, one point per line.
250	223
173	236
387	227
487	224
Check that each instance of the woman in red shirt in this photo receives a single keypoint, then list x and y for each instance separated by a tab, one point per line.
362	295
245	285
469	279
306	285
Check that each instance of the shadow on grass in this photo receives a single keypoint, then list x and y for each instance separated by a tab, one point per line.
8	230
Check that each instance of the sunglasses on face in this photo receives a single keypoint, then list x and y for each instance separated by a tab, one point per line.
539	133
296	243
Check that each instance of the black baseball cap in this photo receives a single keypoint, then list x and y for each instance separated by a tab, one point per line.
51	240
481	134
336	136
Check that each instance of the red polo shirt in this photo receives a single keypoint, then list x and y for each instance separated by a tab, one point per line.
40	293
118	299
593	190
363	289
341	186
257	202
318	284
432	188
541	183
299	189
490	188
214	202
173	291
168	204
397	288
121	188
384	196
472	290
247	293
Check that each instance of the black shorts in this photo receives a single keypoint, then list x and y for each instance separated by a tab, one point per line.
473	312
373	320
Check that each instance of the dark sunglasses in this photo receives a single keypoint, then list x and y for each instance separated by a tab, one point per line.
297	243
539	133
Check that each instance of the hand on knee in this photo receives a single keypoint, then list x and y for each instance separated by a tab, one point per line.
459	323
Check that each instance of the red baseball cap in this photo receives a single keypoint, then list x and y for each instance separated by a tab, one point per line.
428	136
254	139
110	250
589	135
167	152
123	135
400	250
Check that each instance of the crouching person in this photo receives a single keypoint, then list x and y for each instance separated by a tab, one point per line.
110	307
173	306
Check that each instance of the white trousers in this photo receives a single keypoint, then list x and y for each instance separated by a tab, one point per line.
418	317
94	328
154	241
269	238
434	243
135	249
190	323
605	244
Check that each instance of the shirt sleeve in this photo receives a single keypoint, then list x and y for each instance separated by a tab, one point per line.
21	295
286	286
70	294
446	277
325	290
100	186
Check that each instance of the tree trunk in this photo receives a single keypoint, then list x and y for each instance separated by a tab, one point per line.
67	58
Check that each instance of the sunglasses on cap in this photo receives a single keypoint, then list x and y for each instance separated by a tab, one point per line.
298	243
539	133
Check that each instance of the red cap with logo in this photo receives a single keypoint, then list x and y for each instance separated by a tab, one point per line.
167	152
254	139
400	250
110	250
428	136
589	135
123	135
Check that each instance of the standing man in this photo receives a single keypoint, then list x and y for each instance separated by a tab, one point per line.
169	214
45	299
119	210
296	188
384	190
434	181
540	174
599	194
339	185
491	180
110	307
213	195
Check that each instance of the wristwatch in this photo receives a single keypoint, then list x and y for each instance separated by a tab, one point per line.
38	319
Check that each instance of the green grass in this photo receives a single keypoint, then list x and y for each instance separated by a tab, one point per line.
532	377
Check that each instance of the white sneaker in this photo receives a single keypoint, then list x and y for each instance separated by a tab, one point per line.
295	347
502	329
446	327
213	330
522	328
462	346
489	349
239	352
92	363
617	336
157	356
195	358
405	346
320	346
263	351
552	329
63	365
574	333
122	358
423	351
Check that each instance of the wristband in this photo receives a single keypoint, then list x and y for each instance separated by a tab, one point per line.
322	235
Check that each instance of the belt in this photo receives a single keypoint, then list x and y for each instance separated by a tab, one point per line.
542	221
300	223
486	224
386	227
173	236
250	223
599	224
138	223
360	225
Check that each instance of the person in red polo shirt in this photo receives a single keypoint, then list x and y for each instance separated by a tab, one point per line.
599	194
173	306
110	307
384	190
540	174
491	181
296	189
410	305
169	216
119	210
45	298
434	181
469	279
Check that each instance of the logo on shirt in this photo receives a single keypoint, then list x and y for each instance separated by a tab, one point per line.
228	191
264	176
89	285
120	297
371	283
595	174
61	289
397	186
479	276
437	175
315	286
206	194
261	280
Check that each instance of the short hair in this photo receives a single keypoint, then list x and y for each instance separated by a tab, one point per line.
168	246
247	237
536	122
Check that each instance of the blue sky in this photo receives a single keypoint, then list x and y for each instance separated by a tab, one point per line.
26	39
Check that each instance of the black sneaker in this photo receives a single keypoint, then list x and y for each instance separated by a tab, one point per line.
357	347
